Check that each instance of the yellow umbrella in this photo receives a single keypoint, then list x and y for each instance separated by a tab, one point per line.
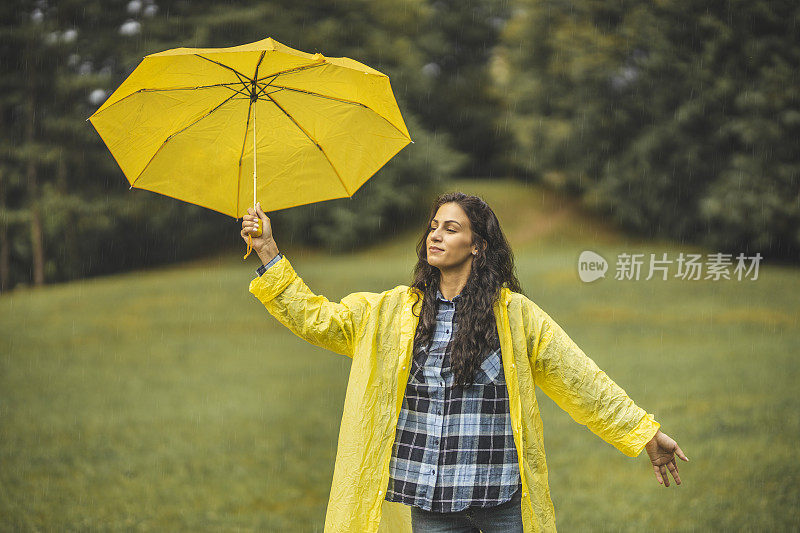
195	123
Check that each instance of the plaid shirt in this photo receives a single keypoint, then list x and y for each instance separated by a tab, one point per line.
263	268
454	447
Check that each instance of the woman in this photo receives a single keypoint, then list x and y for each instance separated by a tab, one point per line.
441	430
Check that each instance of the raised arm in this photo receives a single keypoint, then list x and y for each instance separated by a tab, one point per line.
580	388
330	325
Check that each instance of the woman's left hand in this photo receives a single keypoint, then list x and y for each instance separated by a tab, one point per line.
662	451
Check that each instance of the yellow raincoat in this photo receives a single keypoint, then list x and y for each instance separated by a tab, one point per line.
377	331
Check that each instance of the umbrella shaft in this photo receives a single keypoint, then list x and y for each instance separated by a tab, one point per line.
253	104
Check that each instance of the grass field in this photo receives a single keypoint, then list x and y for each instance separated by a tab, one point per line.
170	400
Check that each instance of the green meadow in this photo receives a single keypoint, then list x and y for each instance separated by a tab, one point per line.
170	400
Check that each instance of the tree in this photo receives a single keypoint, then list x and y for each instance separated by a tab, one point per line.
676	118
454	93
65	208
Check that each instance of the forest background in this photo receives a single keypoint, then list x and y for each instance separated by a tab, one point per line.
673	119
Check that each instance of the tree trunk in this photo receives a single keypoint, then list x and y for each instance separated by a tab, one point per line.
71	266
5	247
37	242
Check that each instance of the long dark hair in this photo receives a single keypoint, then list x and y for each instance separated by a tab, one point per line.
492	268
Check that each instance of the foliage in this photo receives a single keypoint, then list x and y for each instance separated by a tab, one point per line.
678	118
65	208
454	93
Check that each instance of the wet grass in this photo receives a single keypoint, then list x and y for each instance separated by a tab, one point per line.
170	400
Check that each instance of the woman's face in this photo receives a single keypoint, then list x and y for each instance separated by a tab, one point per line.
449	241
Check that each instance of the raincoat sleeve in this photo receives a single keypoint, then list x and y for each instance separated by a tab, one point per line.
312	317
571	379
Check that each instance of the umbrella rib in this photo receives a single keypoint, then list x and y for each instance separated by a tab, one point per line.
241	156
295	69
134	93
192	88
176	133
260	59
188	87
341	100
313	141
273	76
239	75
273	92
312	93
264	88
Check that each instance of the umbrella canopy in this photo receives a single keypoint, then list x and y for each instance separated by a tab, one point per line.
197	123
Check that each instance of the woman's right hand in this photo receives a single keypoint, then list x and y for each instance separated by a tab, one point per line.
265	244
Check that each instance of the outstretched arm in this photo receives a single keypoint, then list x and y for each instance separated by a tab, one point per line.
571	379
578	386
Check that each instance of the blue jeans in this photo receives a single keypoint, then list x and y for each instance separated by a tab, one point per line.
504	518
